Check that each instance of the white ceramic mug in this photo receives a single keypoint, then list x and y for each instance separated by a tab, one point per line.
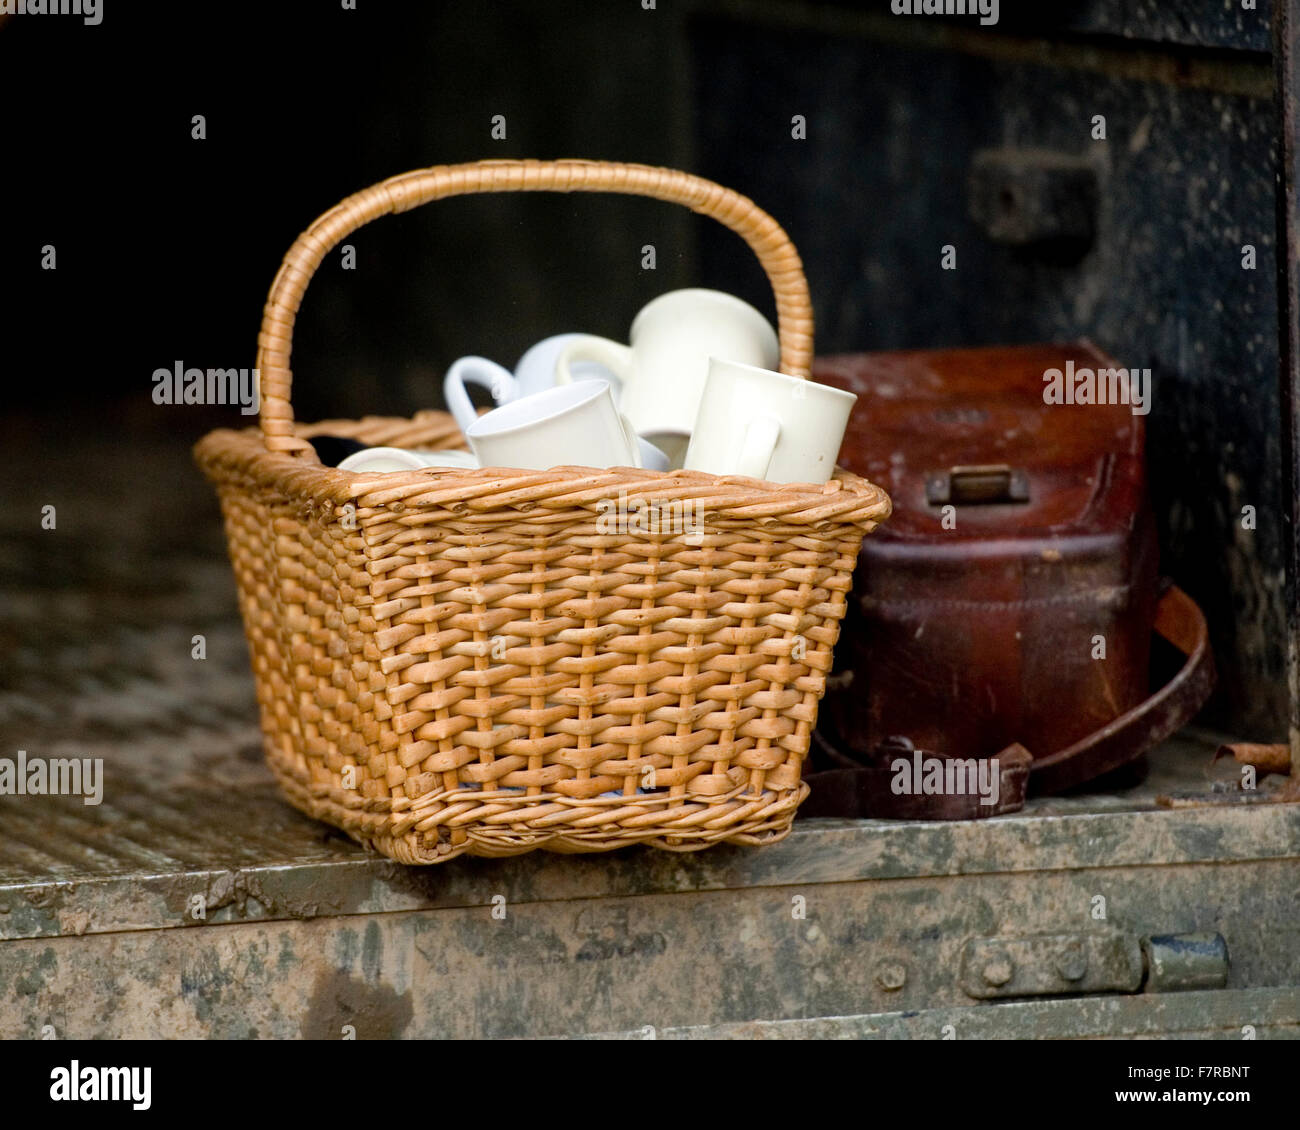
662	371
449	458
383	459
576	424
402	459
534	372
768	425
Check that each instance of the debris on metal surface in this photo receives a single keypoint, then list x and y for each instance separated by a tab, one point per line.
1265	758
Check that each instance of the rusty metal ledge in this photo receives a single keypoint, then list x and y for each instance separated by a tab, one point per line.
1265	1013
1232	61
139	860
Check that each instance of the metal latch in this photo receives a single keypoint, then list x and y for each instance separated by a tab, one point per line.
1035	198
986	484
1062	964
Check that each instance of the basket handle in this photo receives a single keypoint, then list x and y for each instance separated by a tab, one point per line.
769	243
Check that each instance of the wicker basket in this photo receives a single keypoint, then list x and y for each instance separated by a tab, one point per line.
454	661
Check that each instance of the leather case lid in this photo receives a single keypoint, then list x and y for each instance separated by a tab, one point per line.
920	414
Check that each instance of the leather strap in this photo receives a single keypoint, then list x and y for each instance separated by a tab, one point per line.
891	784
867	789
1180	621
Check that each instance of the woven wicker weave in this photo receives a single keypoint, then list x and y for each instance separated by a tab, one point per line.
454	661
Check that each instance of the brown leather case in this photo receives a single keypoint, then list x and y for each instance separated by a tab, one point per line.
1011	597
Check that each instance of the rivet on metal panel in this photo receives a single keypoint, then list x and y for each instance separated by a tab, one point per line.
998	970
891	975
1072	962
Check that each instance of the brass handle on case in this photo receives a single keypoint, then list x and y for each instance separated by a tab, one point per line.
984	485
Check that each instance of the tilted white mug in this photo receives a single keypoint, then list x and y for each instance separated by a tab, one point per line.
404	459
535	371
448	458
662	371
575	424
768	425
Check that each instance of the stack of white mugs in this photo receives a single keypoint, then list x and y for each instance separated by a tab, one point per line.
695	388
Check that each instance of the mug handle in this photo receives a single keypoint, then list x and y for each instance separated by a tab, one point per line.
616	357
477	371
759	447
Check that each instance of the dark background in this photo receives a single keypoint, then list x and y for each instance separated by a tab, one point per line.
166	245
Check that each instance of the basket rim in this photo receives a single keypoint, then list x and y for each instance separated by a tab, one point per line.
846	499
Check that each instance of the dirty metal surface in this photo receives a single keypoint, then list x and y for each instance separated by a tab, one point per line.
801	945
1223	24
1218	25
216	828
1286	52
1271	1014
1051	965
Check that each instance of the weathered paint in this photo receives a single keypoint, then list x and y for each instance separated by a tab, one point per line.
845	917
569	966
160	839
1263	1014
